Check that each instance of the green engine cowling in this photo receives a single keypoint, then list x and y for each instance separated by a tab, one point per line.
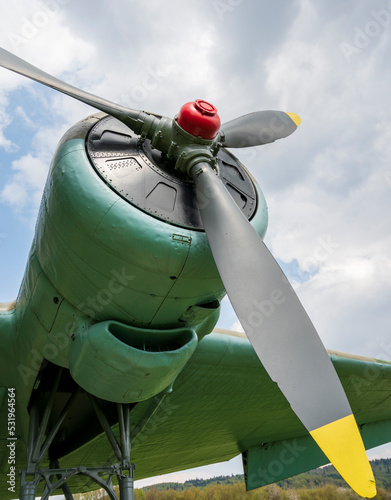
119	241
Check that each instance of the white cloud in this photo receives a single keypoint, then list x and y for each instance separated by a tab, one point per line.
4	122
237	327
26	184
330	179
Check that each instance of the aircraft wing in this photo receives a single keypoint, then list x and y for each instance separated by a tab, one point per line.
224	404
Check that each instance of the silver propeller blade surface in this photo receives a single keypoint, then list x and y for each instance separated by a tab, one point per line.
260	127
18	65
269	310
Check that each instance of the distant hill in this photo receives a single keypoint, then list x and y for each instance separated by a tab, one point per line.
312	479
196	483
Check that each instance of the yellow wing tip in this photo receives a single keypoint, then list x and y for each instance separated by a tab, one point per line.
295	118
341	442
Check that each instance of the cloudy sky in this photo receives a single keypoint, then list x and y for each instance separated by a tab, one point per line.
328	186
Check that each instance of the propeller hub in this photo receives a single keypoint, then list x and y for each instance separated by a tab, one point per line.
199	118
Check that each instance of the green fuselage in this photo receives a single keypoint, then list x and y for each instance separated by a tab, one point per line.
110	291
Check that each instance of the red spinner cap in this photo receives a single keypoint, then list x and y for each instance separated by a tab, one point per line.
199	118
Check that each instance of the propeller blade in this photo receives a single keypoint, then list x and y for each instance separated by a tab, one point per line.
18	65
261	127
280	331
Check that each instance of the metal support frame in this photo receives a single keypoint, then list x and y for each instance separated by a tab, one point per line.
125	474
55	477
153	407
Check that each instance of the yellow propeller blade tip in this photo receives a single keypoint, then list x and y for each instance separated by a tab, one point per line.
295	118
341	442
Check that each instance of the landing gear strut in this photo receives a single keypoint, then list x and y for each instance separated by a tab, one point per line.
55	477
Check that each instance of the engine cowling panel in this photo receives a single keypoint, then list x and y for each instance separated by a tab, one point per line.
113	257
